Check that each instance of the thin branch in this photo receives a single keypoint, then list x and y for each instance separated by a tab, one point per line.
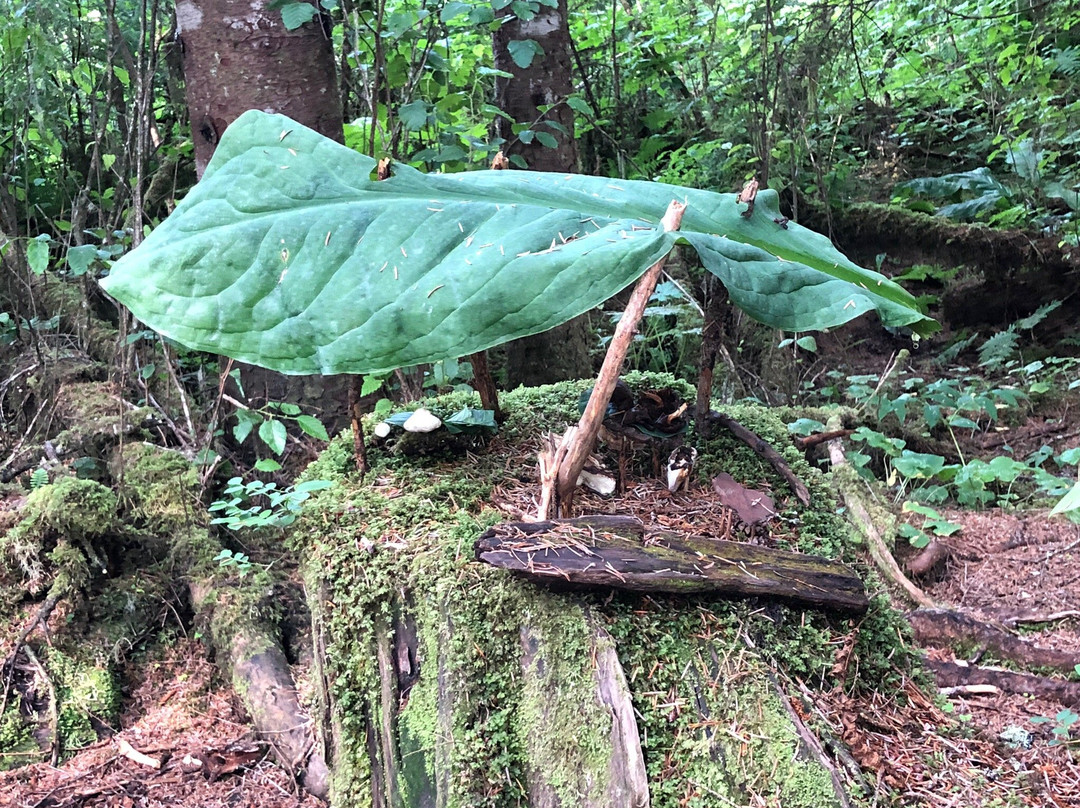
589	426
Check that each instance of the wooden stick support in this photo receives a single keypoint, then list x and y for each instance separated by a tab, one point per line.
581	446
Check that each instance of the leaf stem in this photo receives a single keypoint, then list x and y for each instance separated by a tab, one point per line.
589	426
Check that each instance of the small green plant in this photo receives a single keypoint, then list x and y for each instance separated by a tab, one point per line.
927	478
1063	724
239	561
933	523
39	478
268	422
1000	348
257	504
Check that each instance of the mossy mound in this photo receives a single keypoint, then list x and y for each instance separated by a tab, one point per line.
446	682
102	568
59	533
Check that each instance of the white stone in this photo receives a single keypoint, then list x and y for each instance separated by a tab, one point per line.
600	483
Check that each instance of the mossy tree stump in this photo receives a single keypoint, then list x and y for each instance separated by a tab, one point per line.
450	683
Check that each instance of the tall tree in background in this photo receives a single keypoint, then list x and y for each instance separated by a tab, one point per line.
535	50
239	55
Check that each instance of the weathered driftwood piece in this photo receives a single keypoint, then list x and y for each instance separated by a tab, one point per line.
950	627
766	451
610	551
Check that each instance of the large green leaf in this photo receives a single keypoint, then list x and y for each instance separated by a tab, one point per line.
290	254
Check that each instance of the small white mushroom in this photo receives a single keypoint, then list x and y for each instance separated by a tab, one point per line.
382	430
422	421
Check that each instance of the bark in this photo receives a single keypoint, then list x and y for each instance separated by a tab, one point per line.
562	352
611	552
957	674
238	55
951	627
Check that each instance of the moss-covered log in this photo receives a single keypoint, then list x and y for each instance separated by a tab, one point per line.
611	552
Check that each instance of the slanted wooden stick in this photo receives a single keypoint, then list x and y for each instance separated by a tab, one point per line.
584	439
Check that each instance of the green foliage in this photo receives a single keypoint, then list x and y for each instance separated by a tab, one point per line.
1063	724
970	194
933	523
257	504
669	334
268	423
228	559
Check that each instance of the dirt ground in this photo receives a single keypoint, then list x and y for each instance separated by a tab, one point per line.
179	715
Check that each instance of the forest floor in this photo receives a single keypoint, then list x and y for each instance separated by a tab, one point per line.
968	747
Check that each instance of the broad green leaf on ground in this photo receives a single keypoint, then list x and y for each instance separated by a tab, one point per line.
288	254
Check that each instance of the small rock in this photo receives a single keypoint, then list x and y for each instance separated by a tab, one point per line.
382	430
600	483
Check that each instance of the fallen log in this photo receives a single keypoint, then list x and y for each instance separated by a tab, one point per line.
611	551
959	674
951	628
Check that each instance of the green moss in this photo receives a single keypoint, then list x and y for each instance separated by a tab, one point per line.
158	488
60	526
95	415
17	744
564	724
73	507
84	688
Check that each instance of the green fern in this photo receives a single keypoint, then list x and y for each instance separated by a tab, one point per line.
999	349
1036	317
39	479
1067	60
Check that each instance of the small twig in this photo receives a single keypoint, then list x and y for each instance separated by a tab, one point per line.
549	461
133	754
179	389
809	441
766	451
890	368
359	450
810	742
54	711
40	618
1062	550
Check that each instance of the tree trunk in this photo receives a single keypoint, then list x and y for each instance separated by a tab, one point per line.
562	352
238	55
